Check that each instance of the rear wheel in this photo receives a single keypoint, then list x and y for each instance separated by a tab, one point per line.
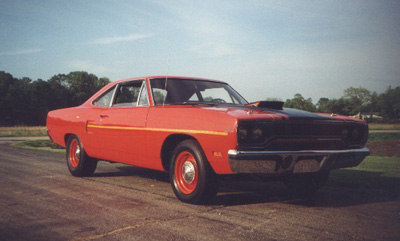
78	162
192	178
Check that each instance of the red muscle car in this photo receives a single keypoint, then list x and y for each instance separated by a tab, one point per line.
197	129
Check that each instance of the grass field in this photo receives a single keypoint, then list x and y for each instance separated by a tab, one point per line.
378	172
374	126
383	136
45	145
19	131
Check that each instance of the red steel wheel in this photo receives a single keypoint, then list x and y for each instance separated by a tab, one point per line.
74	153
78	162
192	178
186	172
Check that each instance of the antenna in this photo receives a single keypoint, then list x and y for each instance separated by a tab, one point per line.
166	81
166	76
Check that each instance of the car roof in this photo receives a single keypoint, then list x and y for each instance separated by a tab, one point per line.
167	77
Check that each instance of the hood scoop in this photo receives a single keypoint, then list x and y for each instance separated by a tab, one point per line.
277	105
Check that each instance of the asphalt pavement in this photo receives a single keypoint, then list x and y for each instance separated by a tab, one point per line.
40	200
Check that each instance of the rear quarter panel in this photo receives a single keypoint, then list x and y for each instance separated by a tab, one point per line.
69	121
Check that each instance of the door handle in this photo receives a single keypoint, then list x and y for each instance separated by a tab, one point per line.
103	116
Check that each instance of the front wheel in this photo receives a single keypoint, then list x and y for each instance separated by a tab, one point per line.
192	178
78	162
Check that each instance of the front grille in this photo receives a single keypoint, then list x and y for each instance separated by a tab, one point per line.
280	144
304	135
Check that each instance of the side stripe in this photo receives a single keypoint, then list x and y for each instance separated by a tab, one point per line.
218	133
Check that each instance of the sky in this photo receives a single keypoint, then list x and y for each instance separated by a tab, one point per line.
264	49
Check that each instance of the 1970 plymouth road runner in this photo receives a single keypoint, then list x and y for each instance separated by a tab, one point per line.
197	129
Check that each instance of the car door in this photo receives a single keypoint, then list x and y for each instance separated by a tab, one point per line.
123	124
94	142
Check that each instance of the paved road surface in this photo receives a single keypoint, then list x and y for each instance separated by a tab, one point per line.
40	200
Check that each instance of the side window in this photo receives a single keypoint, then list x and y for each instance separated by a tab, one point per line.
105	99
159	96
194	97
158	89
127	94
143	100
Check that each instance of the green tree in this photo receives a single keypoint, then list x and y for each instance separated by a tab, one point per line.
373	107
323	105
60	94
389	103
339	106
15	103
26	102
358	100
82	85
41	100
6	115
298	102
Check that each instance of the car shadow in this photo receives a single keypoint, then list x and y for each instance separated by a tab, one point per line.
345	188
326	197
123	171
348	188
352	187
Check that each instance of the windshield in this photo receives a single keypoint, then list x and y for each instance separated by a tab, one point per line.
188	91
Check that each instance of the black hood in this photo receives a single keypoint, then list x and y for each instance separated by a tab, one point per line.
295	114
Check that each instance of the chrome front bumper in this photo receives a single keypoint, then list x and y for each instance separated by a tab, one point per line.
281	162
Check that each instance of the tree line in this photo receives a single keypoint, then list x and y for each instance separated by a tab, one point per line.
360	102
26	102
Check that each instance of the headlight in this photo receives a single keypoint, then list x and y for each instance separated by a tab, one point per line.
242	134
250	134
355	134
256	134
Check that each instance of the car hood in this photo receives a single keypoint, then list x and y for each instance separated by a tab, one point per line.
256	113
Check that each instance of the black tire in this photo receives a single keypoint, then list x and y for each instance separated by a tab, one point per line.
305	185
78	162
192	178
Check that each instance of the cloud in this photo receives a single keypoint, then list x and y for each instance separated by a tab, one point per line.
87	66
205	29
20	52
117	39
212	49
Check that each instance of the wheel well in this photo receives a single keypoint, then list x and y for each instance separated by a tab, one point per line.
66	137
168	147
